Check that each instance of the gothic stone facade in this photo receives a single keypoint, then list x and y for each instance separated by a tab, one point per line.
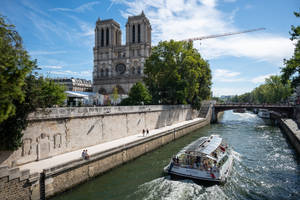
117	65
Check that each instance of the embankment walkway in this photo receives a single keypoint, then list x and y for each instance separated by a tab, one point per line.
39	166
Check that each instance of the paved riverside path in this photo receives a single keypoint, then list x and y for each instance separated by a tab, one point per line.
38	166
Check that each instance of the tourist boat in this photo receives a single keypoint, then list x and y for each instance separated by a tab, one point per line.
264	113
208	159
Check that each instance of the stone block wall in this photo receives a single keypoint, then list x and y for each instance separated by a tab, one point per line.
61	178
14	184
59	130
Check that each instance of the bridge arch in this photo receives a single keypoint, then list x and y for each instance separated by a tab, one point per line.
287	110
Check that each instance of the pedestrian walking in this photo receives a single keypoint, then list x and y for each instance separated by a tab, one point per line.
143	132
147	132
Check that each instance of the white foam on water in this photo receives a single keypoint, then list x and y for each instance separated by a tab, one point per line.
245	115
265	136
236	155
261	126
166	189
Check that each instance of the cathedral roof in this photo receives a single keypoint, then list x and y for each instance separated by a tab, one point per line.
138	17
107	21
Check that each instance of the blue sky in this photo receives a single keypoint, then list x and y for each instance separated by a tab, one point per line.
60	34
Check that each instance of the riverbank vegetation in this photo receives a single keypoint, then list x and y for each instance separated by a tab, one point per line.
138	95
271	92
22	89
291	71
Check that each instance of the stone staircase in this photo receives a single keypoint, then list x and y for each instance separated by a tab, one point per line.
204	109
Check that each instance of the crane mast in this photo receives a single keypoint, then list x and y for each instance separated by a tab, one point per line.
222	35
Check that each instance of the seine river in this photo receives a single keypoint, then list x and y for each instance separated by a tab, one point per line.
265	167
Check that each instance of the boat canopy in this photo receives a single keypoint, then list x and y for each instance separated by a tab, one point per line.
204	145
210	157
212	145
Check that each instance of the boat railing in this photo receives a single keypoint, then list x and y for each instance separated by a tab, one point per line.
199	166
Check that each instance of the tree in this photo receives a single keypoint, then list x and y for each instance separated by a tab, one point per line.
22	91
175	73
272	91
291	71
115	94
14	66
245	98
138	95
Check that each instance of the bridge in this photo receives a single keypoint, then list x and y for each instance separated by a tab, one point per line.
283	109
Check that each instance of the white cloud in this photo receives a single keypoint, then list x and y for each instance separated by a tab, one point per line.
52	67
223	75
79	9
265	47
260	79
86	73
87	29
179	19
229	91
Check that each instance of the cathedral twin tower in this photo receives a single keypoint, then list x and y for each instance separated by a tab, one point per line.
117	65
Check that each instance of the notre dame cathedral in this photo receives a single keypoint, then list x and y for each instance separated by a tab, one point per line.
117	65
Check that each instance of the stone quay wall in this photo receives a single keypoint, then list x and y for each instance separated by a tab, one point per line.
16	184
292	131
66	176
59	130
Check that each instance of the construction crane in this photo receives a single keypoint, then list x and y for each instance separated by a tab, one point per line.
222	35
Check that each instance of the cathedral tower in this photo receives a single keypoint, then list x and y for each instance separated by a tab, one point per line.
117	65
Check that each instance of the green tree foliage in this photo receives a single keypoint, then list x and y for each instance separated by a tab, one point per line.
21	90
175	73
115	94
291	71
138	95
272	91
247	97
14	66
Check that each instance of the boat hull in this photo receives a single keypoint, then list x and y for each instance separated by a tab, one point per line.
201	175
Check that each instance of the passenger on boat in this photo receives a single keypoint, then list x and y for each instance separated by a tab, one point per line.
175	160
215	155
198	161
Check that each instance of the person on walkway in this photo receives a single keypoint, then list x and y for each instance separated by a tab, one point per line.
83	154
87	156
143	132
147	132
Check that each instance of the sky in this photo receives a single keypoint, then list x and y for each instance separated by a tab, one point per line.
60	34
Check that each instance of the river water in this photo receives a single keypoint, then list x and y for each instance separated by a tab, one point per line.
265	167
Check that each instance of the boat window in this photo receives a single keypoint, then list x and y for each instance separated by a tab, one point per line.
223	160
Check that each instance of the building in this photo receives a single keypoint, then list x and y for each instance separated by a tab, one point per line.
75	84
117	65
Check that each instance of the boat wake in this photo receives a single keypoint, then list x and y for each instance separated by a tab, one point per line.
236	156
166	189
245	115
